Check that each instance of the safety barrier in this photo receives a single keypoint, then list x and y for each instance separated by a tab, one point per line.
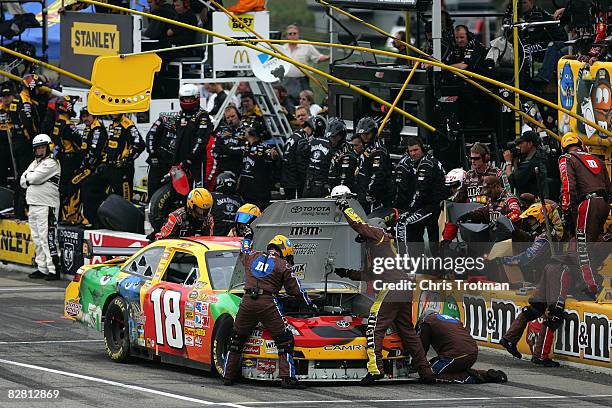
16	244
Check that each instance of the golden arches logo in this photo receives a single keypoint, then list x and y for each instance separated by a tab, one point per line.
242	56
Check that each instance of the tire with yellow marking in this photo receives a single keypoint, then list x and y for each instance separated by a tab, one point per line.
116	331
220	344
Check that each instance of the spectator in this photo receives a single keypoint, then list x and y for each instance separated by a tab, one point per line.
156	29
287	103
176	36
249	106
243	88
216	99
307	101
398	43
295	80
522	176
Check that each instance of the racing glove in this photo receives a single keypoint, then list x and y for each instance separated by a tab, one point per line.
342	204
341	272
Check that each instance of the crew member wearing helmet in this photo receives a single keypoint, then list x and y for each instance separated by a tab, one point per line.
374	175
88	178
122	148
41	181
257	173
266	272
586	192
390	306
193	219
344	161
67	142
245	216
319	157
456	350
453	182
225	203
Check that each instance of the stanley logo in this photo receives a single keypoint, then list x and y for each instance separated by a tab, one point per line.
94	39
242	57
246	21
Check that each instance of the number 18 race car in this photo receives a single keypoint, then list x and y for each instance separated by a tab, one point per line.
175	300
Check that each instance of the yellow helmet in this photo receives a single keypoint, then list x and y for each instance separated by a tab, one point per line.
283	244
247	213
535	211
569	139
199	202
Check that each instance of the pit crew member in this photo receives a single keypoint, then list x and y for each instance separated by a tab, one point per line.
193	219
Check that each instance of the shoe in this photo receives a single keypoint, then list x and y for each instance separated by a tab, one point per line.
495	376
477	376
228	382
369	379
511	347
292	384
430	379
53	277
37	275
547	362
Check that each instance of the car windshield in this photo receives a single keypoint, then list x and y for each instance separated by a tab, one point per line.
320	286
220	266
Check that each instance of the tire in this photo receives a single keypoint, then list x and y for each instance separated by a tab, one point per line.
163	201
118	214
220	344
116	331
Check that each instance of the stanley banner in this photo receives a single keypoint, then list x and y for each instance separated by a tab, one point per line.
16	244
86	36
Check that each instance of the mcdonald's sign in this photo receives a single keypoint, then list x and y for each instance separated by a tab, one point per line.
242	57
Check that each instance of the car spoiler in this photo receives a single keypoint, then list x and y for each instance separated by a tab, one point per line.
89	251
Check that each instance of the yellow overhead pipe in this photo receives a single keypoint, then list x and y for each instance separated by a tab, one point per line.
266	51
397	98
251	30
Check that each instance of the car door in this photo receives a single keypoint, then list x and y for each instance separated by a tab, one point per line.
170	325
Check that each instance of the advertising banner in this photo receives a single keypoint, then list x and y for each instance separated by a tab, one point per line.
16	242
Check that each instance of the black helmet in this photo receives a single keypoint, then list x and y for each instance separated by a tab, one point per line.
335	126
366	125
226	183
317	124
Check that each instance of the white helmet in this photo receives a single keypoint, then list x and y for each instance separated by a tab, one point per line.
189	90
340	191
455	178
41	140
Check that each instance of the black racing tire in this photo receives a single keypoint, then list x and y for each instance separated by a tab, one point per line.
163	201
116	331
118	214
220	344
6	198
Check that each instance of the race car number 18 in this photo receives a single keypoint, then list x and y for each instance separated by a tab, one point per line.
171	301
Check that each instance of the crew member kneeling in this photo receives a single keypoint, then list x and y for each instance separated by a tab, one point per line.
265	274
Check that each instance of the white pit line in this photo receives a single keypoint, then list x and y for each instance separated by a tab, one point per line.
52	341
122	385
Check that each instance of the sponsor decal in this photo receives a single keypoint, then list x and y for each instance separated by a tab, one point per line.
246	21
311	210
299	270
73	307
257	333
241	57
94	39
305	231
189	305
198	341
271	347
200	332
343	324
200	285
189	314
16	243
344	347
189	340
249	362
201	307
200	320
208	298
251	349
193	295
305	248
589	334
488	322
189	331
189	323
266	365
251	341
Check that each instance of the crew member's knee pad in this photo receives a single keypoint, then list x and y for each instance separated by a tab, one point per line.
284	342
237	342
534	310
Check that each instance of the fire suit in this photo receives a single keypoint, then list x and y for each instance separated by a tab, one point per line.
41	180
94	140
182	224
506	205
265	275
229	149
471	192
343	168
390	306
67	140
586	192
374	178
160	142
211	170
317	173
455	347
123	146
254	183
224	212
420	190
192	135
295	163
6	153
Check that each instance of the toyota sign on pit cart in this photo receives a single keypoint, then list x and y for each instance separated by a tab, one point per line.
229	57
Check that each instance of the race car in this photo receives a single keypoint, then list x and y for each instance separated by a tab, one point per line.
176	299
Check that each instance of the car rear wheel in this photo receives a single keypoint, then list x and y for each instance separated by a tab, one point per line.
116	331
221	341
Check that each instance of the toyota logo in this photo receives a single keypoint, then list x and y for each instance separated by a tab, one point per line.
343	324
296	210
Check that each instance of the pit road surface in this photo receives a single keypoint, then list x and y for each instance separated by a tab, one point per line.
40	350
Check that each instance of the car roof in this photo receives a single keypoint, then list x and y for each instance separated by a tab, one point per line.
213	243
